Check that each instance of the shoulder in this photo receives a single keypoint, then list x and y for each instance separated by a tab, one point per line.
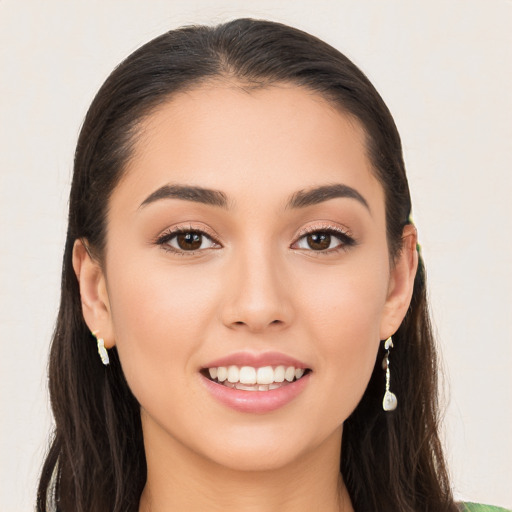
478	507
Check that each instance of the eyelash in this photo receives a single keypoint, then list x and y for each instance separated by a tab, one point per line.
343	236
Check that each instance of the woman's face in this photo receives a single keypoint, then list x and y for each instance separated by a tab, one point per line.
274	255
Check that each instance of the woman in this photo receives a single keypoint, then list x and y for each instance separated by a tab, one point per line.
243	322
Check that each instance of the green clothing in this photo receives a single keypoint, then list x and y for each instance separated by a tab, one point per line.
478	507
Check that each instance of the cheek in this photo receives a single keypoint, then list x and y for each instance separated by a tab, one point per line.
344	303
343	317
160	318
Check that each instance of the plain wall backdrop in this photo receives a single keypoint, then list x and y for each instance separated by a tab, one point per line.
445	70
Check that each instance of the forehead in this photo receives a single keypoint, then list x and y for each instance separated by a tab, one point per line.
270	141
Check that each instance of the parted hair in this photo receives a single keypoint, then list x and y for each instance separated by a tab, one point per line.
391	461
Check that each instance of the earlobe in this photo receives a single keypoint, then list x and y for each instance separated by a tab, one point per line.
401	283
93	292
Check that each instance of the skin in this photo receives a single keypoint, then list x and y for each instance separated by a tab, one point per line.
258	287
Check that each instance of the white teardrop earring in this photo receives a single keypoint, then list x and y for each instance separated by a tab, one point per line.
102	351
390	401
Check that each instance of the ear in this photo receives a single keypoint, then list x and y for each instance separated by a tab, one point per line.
401	284
93	293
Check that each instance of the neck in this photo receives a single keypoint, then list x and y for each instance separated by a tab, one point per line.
179	479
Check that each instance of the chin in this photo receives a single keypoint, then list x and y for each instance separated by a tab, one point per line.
256	460
267	450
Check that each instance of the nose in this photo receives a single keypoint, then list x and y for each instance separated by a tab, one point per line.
257	296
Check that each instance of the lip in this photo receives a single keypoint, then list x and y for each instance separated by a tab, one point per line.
256	360
257	402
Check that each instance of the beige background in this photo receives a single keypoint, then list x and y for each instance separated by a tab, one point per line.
444	69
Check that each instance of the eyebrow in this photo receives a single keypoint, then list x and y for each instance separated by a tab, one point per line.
299	199
188	193
304	198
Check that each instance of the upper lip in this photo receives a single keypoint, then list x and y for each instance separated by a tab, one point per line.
256	360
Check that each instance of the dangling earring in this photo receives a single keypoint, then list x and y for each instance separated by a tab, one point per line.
390	401
102	351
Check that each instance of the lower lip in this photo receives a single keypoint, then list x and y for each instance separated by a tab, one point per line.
256	401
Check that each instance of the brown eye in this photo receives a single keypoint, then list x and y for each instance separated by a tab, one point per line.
186	241
319	241
189	241
325	241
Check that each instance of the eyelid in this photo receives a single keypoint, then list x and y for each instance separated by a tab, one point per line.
343	230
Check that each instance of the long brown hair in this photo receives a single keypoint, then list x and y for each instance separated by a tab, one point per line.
391	461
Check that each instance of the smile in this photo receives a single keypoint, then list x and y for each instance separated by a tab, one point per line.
256	398
249	378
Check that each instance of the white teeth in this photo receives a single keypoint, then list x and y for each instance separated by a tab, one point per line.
254	379
233	374
239	385
265	375
222	373
247	375
279	374
289	374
